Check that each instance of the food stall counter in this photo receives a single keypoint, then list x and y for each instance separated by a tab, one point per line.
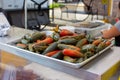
101	68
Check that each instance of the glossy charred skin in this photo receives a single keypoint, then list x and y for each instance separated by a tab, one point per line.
71	41
55	36
58	55
65	46
81	42
50	48
101	46
97	42
88	47
69	59
37	35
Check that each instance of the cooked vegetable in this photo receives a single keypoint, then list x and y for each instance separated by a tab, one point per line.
101	46
40	44
24	41
68	41
47	40
97	42
69	59
27	36
50	48
55	36
65	46
20	45
81	42
30	47
66	37
65	32
37	35
58	55
72	53
88	54
79	60
39	48
88	47
79	36
52	53
107	43
90	38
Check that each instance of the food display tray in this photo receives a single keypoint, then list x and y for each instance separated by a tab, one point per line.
42	59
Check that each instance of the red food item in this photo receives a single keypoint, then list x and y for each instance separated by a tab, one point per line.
47	40
52	53
21	45
72	53
65	32
97	42
107	43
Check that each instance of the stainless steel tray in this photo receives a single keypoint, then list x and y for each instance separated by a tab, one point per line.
44	60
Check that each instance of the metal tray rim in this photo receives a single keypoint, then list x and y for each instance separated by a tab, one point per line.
74	65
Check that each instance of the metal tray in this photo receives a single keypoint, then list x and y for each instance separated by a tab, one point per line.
41	59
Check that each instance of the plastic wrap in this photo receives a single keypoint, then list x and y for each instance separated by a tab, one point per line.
4	25
10	72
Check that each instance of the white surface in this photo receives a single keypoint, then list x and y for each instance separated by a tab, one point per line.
3	19
14	34
49	73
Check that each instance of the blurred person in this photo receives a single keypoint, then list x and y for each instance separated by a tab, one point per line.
114	31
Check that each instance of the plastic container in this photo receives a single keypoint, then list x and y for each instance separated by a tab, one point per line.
95	32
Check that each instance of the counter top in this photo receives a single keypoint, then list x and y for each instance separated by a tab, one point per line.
13	34
94	70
